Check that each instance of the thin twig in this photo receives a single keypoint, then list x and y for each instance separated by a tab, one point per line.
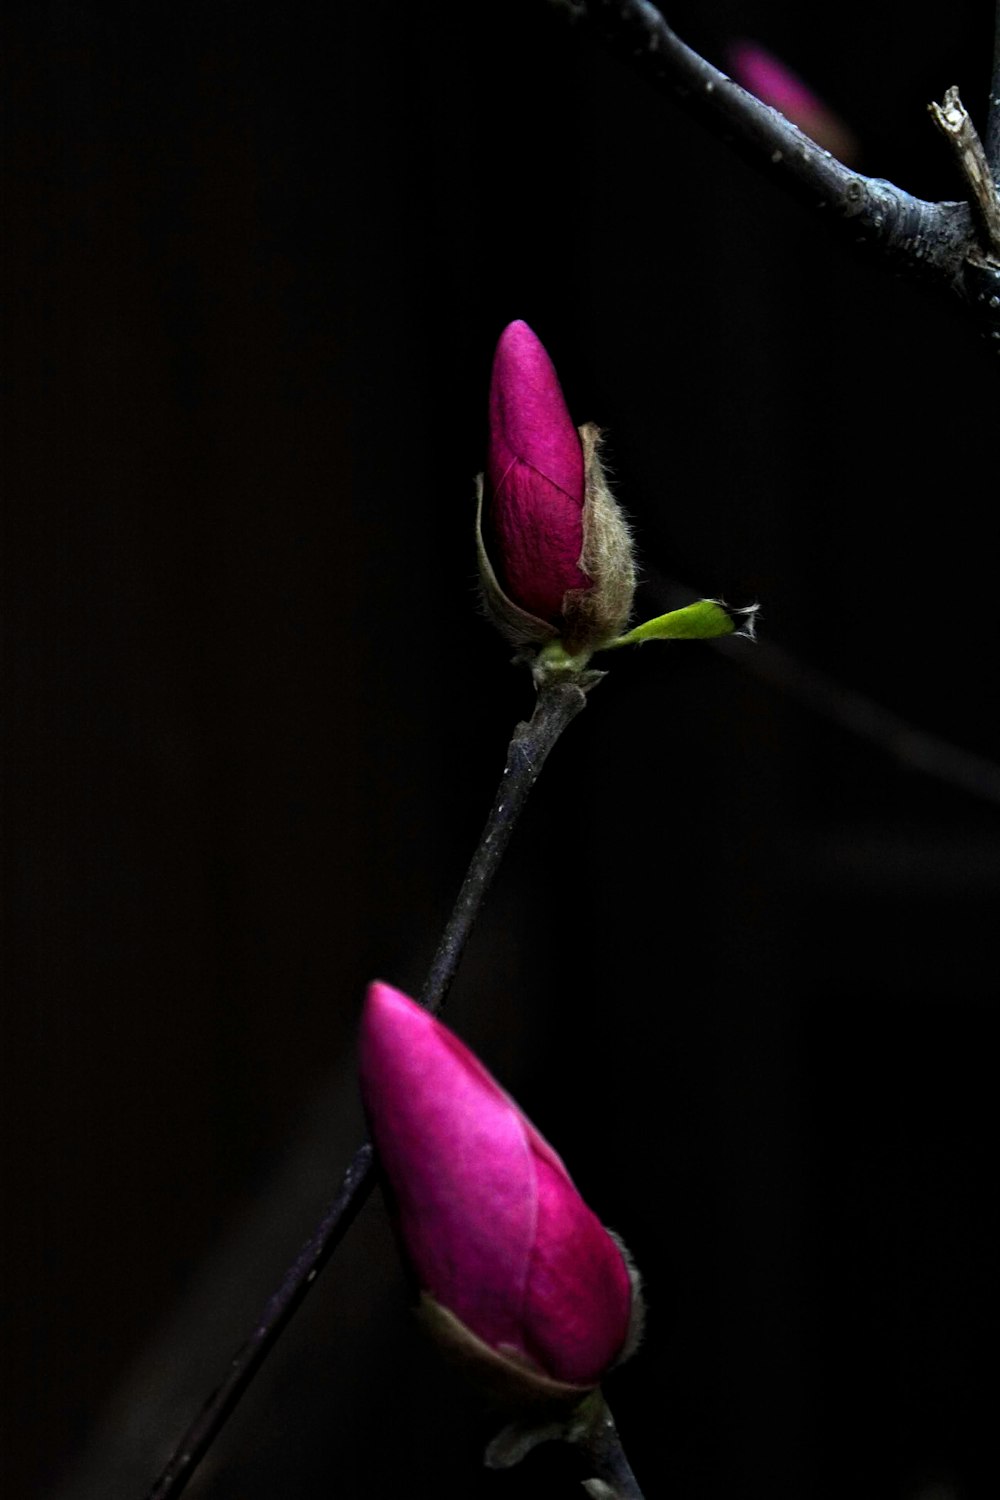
915	749
358	1181
556	706
611	1476
955	123
934	241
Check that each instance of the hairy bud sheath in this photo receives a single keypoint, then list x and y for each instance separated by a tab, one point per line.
518	1275
557	561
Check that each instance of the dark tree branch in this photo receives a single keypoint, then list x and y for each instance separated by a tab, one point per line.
936	242
556	706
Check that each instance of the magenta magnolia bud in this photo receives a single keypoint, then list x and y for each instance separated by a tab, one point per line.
774	83
495	1230
535	477
558	560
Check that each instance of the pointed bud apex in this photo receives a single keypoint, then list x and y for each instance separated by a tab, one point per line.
519	1277
774	83
557	558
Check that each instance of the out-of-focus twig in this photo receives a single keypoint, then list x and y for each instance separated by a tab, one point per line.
992	137
912	747
916	749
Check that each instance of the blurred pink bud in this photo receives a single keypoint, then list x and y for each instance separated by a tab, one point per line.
492	1224
762	74
536	477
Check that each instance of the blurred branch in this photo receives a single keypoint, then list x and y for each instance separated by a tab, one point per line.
993	108
555	708
936	242
911	747
859	715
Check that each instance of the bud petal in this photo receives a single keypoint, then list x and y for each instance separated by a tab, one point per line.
557	558
497	1234
535	477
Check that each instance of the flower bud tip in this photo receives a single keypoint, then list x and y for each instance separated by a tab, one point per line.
535	477
497	1233
555	556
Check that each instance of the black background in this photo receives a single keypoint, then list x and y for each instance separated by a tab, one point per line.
739	966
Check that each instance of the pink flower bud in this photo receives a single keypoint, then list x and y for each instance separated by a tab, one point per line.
495	1230
535	476
774	83
558	557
